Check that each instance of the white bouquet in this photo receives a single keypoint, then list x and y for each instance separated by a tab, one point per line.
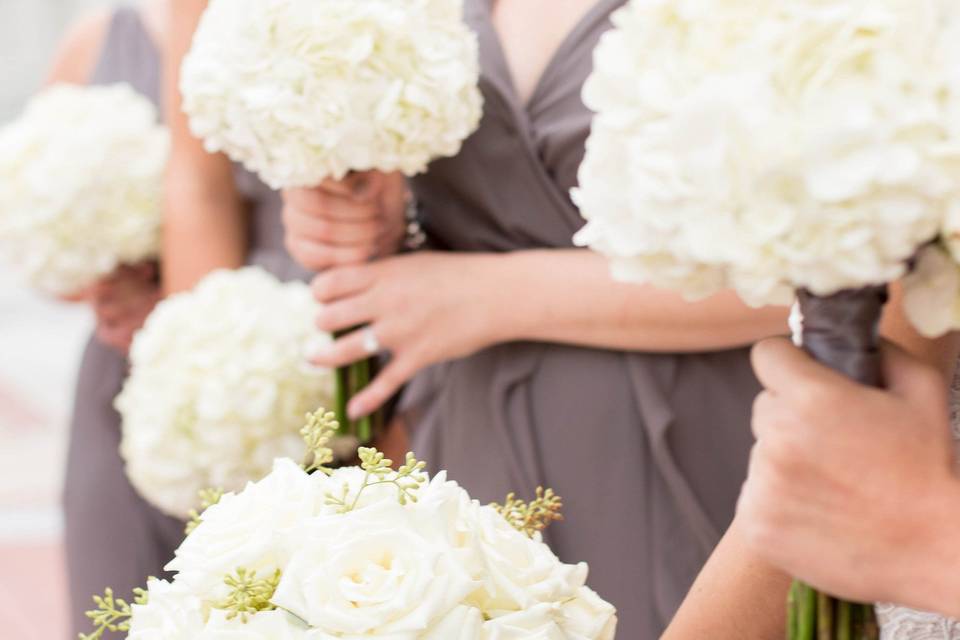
365	552
218	386
772	146
302	90
81	174
806	148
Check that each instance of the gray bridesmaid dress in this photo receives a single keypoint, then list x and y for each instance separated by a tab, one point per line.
648	450
113	537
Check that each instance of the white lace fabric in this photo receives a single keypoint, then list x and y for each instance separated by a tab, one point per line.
900	623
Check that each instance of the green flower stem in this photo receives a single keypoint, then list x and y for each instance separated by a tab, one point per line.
352	379
364	425
844	621
869	629
824	617
807	627
342	396
856	630
793	619
354	383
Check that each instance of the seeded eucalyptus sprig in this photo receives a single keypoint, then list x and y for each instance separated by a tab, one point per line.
532	518
112	614
249	594
208	498
408	479
322	426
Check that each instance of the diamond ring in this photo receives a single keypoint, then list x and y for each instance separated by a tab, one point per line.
371	344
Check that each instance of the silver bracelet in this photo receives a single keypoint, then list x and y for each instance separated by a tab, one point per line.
414	237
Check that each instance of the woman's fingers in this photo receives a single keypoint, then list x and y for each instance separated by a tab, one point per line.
345	314
343	351
334	232
325	202
353	348
382	388
334	284
318	256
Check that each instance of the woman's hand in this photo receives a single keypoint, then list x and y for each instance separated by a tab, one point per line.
122	301
345	222
852	488
423	308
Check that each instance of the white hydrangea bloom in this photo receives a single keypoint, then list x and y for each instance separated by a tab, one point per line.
219	386
302	90
769	146
437	568
931	296
80	185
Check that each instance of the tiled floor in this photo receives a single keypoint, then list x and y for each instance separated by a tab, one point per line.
39	347
32	599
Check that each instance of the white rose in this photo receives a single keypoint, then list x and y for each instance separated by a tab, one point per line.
588	617
518	572
258	529
171	613
266	625
372	572
536	623
463	623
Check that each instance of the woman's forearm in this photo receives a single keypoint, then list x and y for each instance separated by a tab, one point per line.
204	229
736	596
204	220
568	296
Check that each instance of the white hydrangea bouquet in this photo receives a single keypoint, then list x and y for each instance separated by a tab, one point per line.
218	386
81	174
791	148
300	91
309	553
303	90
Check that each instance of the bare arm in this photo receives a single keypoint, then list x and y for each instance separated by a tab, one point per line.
577	302
737	596
737	585
77	53
465	302
204	220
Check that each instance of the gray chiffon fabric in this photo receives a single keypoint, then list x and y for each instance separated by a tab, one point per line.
113	537
649	451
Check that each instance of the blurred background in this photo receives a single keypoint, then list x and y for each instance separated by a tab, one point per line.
40	344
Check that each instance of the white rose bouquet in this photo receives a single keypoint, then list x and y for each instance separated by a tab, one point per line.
299	91
797	147
80	185
303	90
364	552
218	386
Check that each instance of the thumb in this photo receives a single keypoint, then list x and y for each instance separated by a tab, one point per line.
913	379
365	186
360	186
784	369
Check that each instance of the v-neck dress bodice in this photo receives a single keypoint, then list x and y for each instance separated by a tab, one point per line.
539	145
648	450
